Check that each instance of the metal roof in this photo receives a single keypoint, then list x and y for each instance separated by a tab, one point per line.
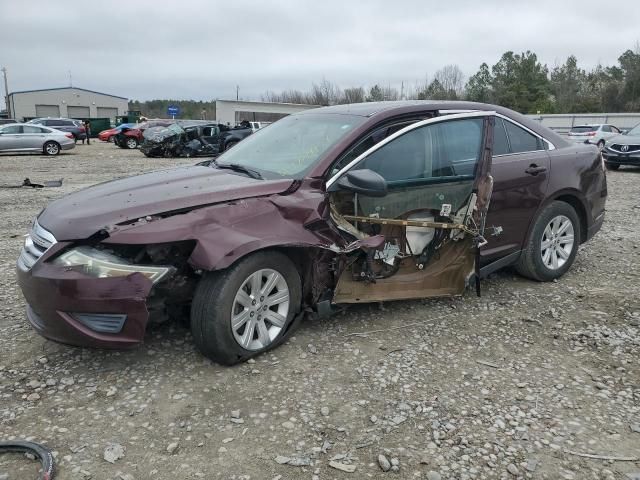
67	88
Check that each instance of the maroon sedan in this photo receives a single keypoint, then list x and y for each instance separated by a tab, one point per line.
345	204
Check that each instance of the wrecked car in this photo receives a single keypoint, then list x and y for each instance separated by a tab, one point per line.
131	137
191	138
182	139
344	204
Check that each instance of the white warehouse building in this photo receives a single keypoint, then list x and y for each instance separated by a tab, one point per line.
66	102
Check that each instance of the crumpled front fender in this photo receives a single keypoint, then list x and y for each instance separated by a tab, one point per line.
226	232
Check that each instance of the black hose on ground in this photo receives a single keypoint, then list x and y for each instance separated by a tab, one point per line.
41	452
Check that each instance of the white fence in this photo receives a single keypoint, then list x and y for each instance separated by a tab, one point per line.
563	122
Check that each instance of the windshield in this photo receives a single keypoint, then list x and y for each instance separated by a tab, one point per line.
291	146
635	130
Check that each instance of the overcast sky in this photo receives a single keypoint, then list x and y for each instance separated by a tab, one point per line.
191	49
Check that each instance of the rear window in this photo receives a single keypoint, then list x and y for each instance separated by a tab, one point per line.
584	129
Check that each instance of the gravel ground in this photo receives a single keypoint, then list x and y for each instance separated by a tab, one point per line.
510	385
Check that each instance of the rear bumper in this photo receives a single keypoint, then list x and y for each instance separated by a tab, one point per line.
621	159
55	298
68	146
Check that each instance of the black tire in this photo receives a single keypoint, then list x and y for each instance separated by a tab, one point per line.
600	144
230	145
51	148
530	263
110	139
213	302
611	166
131	143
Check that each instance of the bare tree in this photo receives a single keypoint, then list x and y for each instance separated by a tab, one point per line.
451	78
325	93
390	93
417	90
354	95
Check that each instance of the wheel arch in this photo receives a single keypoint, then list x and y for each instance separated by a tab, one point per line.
572	197
308	261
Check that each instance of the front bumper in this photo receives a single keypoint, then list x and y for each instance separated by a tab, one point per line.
56	295
621	158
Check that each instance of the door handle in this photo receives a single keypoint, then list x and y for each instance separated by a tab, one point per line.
535	169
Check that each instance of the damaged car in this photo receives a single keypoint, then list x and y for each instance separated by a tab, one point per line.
337	205
131	136
191	138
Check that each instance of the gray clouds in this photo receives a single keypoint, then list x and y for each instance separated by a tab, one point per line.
201	49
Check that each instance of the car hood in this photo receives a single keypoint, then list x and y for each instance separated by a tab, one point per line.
83	213
624	140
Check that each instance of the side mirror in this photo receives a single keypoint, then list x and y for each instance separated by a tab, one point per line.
366	182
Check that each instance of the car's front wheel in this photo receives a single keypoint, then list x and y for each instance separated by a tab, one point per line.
553	244
611	166
131	143
246	309
51	148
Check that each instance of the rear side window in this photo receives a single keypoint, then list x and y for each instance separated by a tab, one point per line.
521	140
31	129
606	128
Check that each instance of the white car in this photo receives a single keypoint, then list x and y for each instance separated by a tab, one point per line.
24	137
595	134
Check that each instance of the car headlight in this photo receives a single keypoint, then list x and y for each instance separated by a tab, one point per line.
100	264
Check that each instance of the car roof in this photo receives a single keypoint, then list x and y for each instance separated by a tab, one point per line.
26	124
589	125
383	110
55	118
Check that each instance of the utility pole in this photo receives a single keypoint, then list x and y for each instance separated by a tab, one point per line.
6	92
237	92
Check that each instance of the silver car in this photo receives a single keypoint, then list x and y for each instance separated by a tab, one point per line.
595	134
23	137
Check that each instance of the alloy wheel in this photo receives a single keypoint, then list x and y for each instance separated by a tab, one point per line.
260	309
52	148
132	143
557	242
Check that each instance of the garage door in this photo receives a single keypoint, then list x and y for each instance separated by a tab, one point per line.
77	112
108	112
47	110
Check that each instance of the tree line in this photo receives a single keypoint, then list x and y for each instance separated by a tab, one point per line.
517	81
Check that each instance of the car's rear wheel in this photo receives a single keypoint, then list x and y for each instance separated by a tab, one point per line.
601	144
110	139
131	143
247	309
611	166
553	244
51	148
